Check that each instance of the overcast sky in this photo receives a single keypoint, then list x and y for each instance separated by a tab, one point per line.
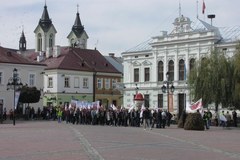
113	26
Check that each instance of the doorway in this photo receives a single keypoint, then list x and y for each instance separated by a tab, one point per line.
181	103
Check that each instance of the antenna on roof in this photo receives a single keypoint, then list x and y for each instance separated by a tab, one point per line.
96	45
45	2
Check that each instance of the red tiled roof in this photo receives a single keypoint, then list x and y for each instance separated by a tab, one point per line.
80	59
10	56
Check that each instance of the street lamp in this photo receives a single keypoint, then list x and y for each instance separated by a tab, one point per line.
14	83
167	88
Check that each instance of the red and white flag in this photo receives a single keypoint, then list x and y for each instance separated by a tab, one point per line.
203	7
197	105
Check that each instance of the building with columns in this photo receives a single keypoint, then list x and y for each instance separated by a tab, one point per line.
173	54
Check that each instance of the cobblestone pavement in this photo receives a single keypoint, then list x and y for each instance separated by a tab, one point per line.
49	140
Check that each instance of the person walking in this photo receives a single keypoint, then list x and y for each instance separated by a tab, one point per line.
223	119
159	118
164	118
205	119
209	114
234	116
154	118
146	118
59	114
169	117
228	117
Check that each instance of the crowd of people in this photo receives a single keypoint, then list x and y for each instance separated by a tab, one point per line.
223	119
102	116
119	117
157	118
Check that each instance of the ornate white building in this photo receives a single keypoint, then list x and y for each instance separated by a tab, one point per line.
146	66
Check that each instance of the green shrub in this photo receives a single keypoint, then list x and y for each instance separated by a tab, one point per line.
194	121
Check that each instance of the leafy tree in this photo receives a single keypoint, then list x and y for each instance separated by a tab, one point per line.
199	81
236	78
29	95
211	80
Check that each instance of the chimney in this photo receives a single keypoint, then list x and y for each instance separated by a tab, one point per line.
56	51
49	52
40	57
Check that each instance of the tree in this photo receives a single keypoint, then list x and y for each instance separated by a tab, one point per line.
199	81
29	95
236	78
211	80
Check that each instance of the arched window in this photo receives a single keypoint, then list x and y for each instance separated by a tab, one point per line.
51	40
160	71
181	70
39	42
171	70
192	64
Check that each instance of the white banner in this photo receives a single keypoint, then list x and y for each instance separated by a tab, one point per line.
17	95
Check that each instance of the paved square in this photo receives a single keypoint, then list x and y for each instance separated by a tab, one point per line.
49	140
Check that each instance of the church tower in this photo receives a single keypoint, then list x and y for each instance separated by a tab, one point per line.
45	32
22	43
78	37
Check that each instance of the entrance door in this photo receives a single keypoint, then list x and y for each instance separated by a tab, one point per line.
114	102
181	104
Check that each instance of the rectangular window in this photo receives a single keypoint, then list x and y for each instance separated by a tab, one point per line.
114	83
85	82
67	82
76	82
146	74
50	82
99	83
146	100
160	100
31	79
107	83
136	74
1	77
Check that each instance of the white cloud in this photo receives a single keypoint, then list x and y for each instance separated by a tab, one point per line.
116	24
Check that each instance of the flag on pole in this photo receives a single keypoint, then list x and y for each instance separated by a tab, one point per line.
197	105
203	7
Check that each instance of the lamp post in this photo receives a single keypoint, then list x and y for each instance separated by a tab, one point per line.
167	88
14	83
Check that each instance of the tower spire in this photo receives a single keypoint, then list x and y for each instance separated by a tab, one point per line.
77	8
22	42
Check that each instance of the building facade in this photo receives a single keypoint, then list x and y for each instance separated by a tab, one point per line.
29	73
169	57
73	72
